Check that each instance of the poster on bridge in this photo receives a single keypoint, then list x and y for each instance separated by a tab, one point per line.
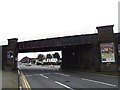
107	52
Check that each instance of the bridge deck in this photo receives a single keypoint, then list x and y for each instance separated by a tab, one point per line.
59	42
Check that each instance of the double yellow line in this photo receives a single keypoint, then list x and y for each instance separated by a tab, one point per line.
26	82
27	86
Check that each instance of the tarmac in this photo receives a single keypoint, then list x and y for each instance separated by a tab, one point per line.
9	80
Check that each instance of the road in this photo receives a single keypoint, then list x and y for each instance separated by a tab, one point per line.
53	77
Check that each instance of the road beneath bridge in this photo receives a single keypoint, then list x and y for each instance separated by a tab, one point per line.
52	77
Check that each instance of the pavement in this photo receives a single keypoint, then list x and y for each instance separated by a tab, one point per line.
44	77
9	80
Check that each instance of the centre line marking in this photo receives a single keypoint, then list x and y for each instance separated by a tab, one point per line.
63	74
99	82
64	85
44	76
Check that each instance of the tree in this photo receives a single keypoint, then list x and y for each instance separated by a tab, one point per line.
49	56
56	55
41	57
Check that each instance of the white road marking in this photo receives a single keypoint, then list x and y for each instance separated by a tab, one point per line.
44	76
100	82
101	74
32	75
64	85
37	74
63	74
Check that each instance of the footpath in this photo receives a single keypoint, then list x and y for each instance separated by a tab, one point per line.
9	80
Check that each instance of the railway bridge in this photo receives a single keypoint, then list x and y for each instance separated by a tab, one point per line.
82	52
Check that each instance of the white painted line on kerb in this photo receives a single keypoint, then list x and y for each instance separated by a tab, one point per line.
44	76
64	85
99	82
63	74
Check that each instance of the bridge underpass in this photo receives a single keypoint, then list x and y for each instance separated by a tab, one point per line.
79	57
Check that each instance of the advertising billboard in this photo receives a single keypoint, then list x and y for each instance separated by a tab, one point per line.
107	52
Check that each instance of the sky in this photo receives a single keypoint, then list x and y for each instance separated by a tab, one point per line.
38	19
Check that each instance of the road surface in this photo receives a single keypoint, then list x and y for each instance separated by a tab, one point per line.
52	77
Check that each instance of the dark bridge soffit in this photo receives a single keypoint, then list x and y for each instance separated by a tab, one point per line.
59	42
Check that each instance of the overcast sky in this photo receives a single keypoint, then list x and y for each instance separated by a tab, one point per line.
36	19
